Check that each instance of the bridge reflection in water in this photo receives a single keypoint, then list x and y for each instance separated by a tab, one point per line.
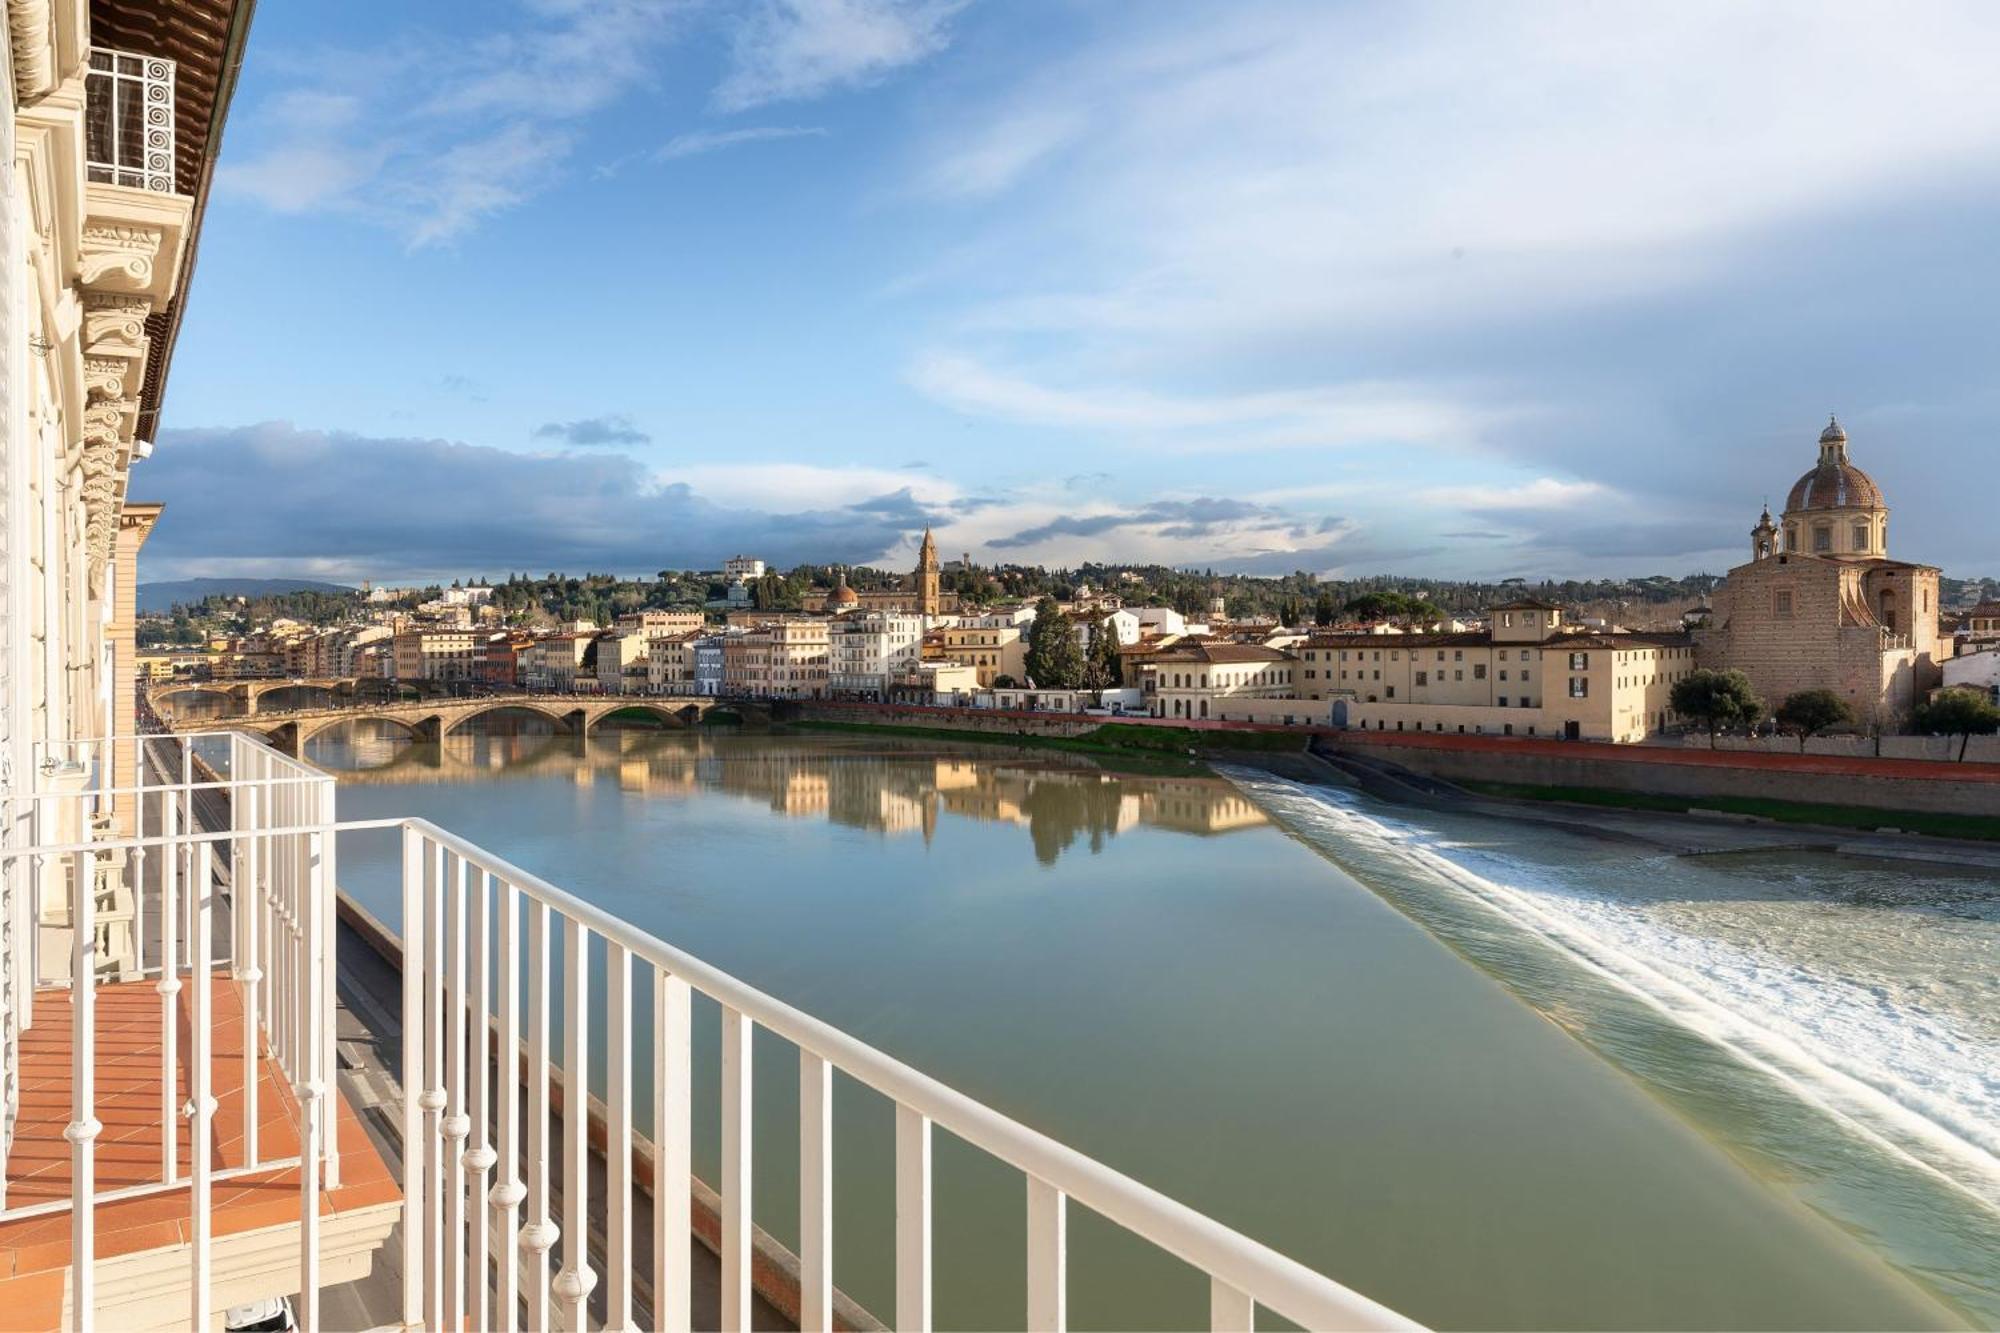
882	785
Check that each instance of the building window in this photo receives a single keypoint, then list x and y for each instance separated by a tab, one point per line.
1503	701
1579	687
1822	539
1479	671
1860	536
1579	661
1423	678
1781	603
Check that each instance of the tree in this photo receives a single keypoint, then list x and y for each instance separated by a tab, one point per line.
1055	658
1960	712
1719	700
1810	712
1102	669
1325	609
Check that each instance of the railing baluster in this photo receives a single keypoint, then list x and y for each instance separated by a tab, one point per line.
1048	1240
573	1285
314	1093
507	1195
1229	1310
541	1233
672	1163
83	1126
169	987
434	1096
250	898
329	1005
480	1156
201	892
815	1193
913	1219
457	1124
735	1184
413	1078
618	1136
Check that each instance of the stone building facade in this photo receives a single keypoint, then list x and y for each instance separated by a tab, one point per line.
1820	605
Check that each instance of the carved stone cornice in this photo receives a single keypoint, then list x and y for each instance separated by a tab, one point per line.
104	421
104	376
115	325
119	257
100	469
31	36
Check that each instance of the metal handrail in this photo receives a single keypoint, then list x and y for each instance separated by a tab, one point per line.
1249	1267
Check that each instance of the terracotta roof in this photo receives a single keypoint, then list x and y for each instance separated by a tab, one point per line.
1480	638
1221	652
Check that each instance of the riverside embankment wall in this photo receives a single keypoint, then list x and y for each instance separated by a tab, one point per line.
1934	785
1930	786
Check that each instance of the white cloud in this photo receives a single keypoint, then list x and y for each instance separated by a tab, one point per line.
1540	494
429	134
1284	167
803	485
786	50
1332	415
697	142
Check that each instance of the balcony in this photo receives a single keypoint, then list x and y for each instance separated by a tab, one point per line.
168	1151
129	121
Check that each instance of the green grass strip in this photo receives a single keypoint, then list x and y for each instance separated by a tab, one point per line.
1784	812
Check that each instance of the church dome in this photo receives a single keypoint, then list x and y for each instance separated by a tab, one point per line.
843	596
1835	485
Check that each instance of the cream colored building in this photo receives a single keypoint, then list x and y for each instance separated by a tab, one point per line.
670	663
656	623
450	655
869	648
798	659
96	247
1529	674
1821	605
554	663
992	649
623	661
1205	680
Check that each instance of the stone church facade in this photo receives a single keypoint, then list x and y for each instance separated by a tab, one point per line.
1821	605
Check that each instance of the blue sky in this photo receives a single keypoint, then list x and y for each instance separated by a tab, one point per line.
1448	290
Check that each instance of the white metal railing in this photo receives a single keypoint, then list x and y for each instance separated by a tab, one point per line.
491	954
129	134
480	934
241	827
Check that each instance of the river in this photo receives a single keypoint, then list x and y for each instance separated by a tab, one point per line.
1494	1075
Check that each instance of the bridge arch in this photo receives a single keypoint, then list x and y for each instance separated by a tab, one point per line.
565	719
672	714
304	729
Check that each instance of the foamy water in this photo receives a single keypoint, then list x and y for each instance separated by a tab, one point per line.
1868	991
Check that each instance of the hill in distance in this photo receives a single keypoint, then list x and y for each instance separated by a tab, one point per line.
161	597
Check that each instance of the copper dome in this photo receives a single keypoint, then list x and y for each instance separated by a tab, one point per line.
1835	485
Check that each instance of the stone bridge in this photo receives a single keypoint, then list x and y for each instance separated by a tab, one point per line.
432	720
246	693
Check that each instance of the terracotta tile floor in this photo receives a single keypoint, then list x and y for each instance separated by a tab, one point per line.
35	1251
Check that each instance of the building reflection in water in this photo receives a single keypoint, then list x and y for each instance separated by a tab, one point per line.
890	787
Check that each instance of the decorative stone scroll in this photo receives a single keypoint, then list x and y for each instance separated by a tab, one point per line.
119	257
